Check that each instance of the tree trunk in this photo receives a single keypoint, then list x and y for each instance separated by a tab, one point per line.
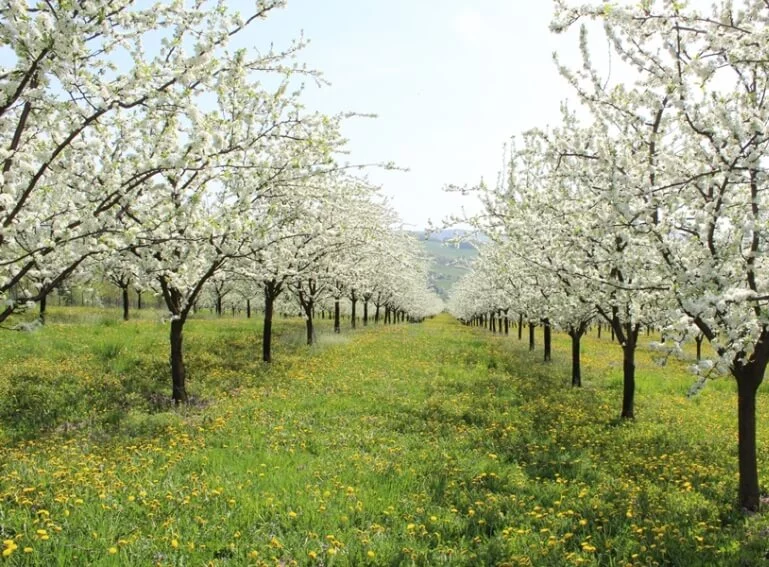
548	340
698	339
628	372
269	306
520	326
43	305
749	378
599	330
125	303
365	313
310	329
218	305
139	299
376	313
337	328
248	308
576	366
531	335
352	319
507	324
492	323
612	334
178	374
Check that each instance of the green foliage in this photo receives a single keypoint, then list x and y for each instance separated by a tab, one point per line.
401	445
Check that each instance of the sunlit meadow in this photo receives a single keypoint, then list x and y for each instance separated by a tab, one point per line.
412	444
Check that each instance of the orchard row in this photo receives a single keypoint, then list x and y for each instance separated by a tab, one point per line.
139	144
648	204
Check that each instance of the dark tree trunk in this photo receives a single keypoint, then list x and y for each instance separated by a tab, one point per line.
307	301
218	305
547	340
337	326
178	373
612	334
507	324
352	319
599	330
749	378
492	323
520	326
576	366
628	370
365	313
531	335
272	289
310	329
376	313
139	299
248	308
269	310
698	340
125	303
43	305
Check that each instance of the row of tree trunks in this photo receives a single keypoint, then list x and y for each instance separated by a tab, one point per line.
575	332
748	374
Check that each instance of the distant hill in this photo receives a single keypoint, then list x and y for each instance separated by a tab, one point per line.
449	261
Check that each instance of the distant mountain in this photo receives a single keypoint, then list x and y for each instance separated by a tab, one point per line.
446	235
449	262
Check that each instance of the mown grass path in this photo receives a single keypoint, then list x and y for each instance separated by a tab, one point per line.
412	444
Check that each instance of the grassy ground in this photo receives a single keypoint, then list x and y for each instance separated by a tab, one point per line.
412	444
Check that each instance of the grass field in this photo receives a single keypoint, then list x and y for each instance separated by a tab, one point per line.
404	445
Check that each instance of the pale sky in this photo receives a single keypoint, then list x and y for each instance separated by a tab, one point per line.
450	81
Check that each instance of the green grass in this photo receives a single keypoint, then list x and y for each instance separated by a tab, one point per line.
411	444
